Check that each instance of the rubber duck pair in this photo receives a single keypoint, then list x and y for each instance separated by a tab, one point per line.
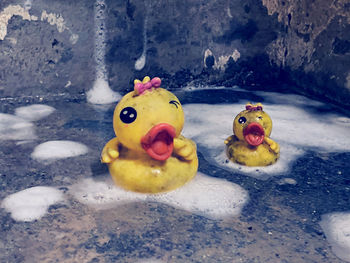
150	155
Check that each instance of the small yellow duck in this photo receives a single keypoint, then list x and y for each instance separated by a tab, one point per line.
149	154
250	145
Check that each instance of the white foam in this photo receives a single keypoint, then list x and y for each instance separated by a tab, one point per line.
15	128
34	112
295	129
287	180
101	93
210	197
336	227
55	150
103	194
141	61
19	127
288	155
295	126
32	203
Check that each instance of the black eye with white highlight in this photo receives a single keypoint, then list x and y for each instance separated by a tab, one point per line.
242	120
128	115
174	102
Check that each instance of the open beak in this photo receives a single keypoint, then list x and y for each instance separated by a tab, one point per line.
254	134
159	141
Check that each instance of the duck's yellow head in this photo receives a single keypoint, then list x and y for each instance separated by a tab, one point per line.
252	124
148	119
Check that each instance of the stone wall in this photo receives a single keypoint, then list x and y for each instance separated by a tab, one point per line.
48	47
315	47
45	47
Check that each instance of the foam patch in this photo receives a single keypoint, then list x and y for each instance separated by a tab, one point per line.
140	62
295	129
287	180
15	128
207	196
34	112
336	227
210	197
55	150
32	203
101	93
19	127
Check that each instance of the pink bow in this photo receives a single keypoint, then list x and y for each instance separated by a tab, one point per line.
253	108
142	87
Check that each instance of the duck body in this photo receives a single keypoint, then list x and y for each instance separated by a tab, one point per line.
149	154
141	173
250	145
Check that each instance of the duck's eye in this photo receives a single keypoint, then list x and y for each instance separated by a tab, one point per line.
242	120
128	115
176	103
260	117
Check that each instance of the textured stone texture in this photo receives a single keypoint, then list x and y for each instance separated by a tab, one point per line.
255	43
315	47
280	223
47	54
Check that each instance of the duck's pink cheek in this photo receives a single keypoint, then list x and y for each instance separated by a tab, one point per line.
126	125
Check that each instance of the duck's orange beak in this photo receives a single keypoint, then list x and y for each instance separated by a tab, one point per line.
254	134
159	141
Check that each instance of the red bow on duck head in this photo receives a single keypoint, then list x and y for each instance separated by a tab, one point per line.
146	84
251	107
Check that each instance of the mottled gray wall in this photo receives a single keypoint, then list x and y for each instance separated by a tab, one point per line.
48	47
49	51
187	40
315	47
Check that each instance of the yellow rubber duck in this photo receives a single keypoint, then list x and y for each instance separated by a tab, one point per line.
149	154
250	144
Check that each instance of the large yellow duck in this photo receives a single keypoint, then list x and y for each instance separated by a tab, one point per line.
149	154
251	145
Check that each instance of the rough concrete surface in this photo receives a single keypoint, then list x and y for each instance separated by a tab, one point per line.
48	47
280	223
